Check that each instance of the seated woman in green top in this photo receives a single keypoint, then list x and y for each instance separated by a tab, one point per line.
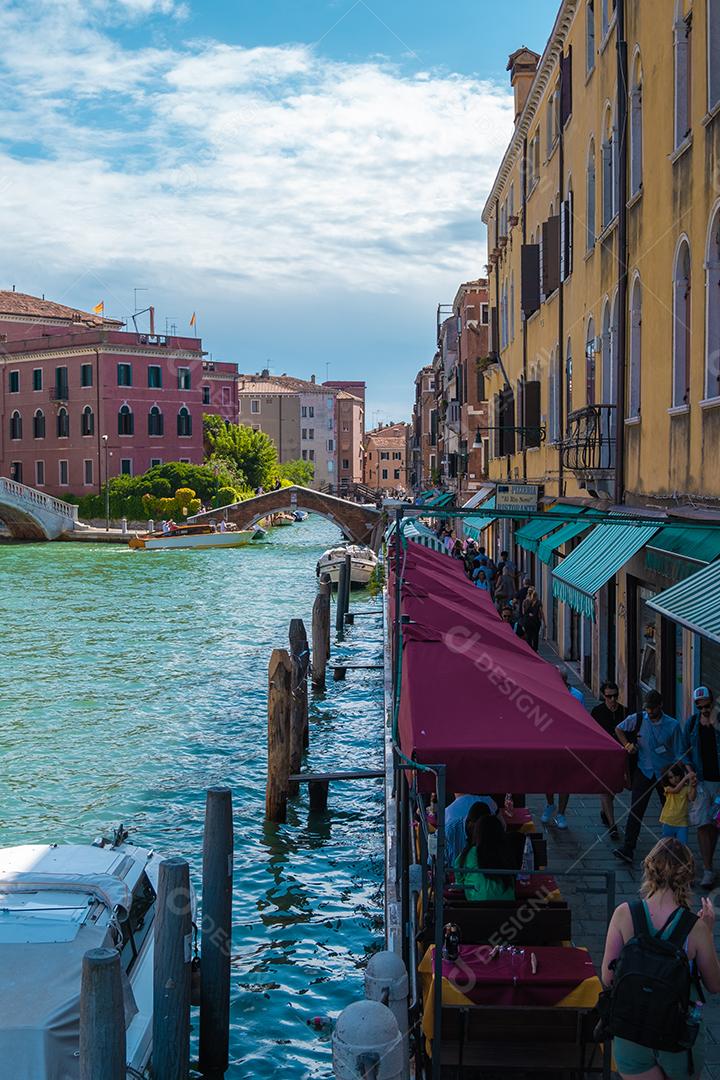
488	847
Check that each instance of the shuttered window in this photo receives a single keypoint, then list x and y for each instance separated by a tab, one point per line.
530	279
566	87
551	255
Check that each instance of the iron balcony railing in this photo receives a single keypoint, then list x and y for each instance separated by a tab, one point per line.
589	445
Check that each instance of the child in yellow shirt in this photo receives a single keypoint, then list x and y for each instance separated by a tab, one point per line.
680	791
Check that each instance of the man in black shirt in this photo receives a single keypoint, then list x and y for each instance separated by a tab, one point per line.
609	713
702	738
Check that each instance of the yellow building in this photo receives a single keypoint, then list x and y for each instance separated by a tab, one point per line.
604	265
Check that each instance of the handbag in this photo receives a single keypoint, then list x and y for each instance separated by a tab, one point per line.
699	810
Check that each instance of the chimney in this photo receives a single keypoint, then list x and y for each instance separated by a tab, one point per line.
312	378
265	373
522	66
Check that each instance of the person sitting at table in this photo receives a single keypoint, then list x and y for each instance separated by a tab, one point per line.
489	848
457	816
669	870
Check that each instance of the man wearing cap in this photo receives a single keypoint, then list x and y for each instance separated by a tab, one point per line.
658	743
702	738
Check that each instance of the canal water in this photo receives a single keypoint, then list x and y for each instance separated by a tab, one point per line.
132	681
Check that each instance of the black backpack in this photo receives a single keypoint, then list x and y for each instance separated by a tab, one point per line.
649	1000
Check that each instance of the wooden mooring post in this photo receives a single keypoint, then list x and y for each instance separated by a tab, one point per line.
216	933
321	633
343	596
171	975
300	656
102	1017
278	765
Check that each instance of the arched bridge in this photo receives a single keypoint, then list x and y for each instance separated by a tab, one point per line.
361	524
33	515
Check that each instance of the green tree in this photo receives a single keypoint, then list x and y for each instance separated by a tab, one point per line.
252	452
298	472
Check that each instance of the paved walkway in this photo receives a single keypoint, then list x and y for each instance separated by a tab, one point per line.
586	849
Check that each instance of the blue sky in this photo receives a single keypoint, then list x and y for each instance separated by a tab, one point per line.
307	175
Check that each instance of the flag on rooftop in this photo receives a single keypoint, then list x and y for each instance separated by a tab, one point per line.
193	319
99	309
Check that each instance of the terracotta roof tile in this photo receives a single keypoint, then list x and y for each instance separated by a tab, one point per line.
34	307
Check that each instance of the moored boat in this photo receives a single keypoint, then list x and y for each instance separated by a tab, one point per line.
194	536
56	903
363	561
281	519
300	515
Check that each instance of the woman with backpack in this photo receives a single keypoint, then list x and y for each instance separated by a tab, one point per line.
658	941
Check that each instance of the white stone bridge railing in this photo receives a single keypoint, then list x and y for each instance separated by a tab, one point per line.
36	499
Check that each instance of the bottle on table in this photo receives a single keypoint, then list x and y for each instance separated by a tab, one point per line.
509	805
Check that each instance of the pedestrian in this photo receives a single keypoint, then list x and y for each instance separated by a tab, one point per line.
449	540
665	908
680	791
508	615
608	714
505	588
505	560
523	591
481	581
482	559
532	618
549	815
457	550
658	742
462	812
702	739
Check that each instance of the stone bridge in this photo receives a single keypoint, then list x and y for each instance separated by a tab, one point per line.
33	515
361	524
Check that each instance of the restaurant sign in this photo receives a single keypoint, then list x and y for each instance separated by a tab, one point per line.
520	497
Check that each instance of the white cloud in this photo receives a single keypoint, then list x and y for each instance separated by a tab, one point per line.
244	168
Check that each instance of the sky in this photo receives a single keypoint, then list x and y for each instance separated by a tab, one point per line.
306	175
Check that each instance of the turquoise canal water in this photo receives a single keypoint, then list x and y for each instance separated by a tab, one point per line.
131	682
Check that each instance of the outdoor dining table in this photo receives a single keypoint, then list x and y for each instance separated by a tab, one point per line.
565	978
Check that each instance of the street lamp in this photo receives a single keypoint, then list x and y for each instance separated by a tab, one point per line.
107	485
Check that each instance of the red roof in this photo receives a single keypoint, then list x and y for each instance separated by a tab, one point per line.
477	699
35	307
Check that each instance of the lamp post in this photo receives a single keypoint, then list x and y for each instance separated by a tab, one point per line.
107	485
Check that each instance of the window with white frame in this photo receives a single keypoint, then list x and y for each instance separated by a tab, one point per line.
63	473
484	319
126	466
568	379
255	405
713	34
606	356
712	308
608	170
681	325
682	28
590	363
39	473
590	36
88	472
591	199
634	373
512	306
636	129
554	398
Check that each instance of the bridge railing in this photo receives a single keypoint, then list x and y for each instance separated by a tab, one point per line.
36	498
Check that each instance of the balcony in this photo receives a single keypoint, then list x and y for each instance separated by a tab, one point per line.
59	393
588	449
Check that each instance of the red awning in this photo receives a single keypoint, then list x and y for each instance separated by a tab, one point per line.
477	699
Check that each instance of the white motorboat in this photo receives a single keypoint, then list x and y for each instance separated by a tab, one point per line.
300	515
56	902
363	561
194	536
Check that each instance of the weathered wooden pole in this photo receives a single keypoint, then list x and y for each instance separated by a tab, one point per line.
216	935
341	602
318	792
102	1017
171	975
279	696
299	654
348	583
326	591
320	635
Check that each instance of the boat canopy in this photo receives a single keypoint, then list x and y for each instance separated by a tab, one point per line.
477	699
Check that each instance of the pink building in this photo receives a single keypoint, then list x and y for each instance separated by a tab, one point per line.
69	378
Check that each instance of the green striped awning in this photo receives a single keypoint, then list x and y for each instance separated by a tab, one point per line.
698	545
561	536
530	534
693	603
441	500
580	576
473	532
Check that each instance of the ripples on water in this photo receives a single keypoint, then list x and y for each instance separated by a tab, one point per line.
133	681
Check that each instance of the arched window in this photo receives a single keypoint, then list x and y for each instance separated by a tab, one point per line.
681	325
590	363
636	128
606	357
634	374
713	33
591	199
87	421
712	308
554	383
184	422
681	42
609	170
39	424
16	425
590	36
126	421
156	424
568	379
63	424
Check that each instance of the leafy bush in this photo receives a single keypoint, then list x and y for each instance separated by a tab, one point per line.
252	452
297	472
225	497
